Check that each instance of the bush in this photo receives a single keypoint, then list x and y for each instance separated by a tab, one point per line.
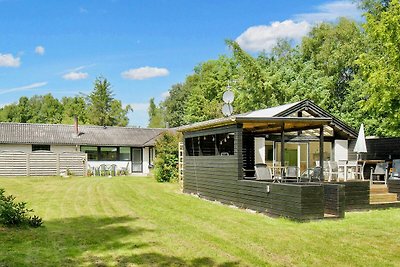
16	213
166	162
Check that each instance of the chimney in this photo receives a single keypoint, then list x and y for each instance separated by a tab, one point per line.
76	125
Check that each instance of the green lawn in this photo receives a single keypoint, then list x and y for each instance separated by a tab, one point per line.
131	221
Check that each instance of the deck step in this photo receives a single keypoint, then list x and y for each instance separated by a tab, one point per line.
379	189
383	197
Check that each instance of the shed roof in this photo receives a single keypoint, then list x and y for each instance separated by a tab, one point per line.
60	134
269	119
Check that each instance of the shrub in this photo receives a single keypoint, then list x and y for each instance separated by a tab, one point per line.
166	162
16	213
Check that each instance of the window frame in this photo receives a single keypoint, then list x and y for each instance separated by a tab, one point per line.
40	145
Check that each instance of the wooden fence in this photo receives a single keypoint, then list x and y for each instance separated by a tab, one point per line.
42	163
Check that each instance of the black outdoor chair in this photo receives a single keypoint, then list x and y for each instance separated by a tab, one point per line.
263	172
395	174
311	175
379	171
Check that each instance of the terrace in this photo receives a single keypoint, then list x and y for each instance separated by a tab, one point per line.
222	155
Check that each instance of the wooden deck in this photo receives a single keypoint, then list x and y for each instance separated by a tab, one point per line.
380	194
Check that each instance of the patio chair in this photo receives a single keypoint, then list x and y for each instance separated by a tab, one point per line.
263	172
112	169
124	170
103	170
342	168
311	175
395	173
380	170
326	167
355	169
90	170
291	174
333	170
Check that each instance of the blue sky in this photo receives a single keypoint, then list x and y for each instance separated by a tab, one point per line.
141	47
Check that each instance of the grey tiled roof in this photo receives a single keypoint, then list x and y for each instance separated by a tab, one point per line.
27	133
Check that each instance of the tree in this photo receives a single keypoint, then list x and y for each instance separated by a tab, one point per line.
174	105
103	108
74	106
374	7
333	49
166	161
156	119
257	91
379	76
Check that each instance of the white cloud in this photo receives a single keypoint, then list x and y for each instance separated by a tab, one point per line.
264	37
8	60
73	76
144	73
39	50
165	94
332	11
23	88
140	106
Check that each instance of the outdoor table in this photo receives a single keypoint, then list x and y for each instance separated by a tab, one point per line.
346	167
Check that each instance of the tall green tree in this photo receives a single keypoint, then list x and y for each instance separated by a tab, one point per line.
379	76
256	89
156	119
333	48
103	108
74	106
174	105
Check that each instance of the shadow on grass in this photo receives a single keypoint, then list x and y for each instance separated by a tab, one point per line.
85	240
156	259
64	241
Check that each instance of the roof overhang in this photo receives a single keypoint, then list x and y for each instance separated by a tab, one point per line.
260	124
275	124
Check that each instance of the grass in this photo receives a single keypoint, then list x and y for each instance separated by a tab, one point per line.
131	221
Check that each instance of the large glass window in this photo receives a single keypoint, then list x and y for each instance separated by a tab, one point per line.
207	145
211	145
226	144
192	146
108	153
125	153
40	147
91	152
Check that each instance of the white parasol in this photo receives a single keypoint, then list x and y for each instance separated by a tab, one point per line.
361	146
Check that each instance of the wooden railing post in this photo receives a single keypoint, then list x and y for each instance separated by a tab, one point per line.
58	164
28	164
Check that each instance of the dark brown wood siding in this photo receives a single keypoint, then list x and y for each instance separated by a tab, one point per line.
297	201
334	199
394	187
215	177
378	148
383	148
356	194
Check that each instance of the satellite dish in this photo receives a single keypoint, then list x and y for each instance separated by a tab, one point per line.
227	109
228	97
